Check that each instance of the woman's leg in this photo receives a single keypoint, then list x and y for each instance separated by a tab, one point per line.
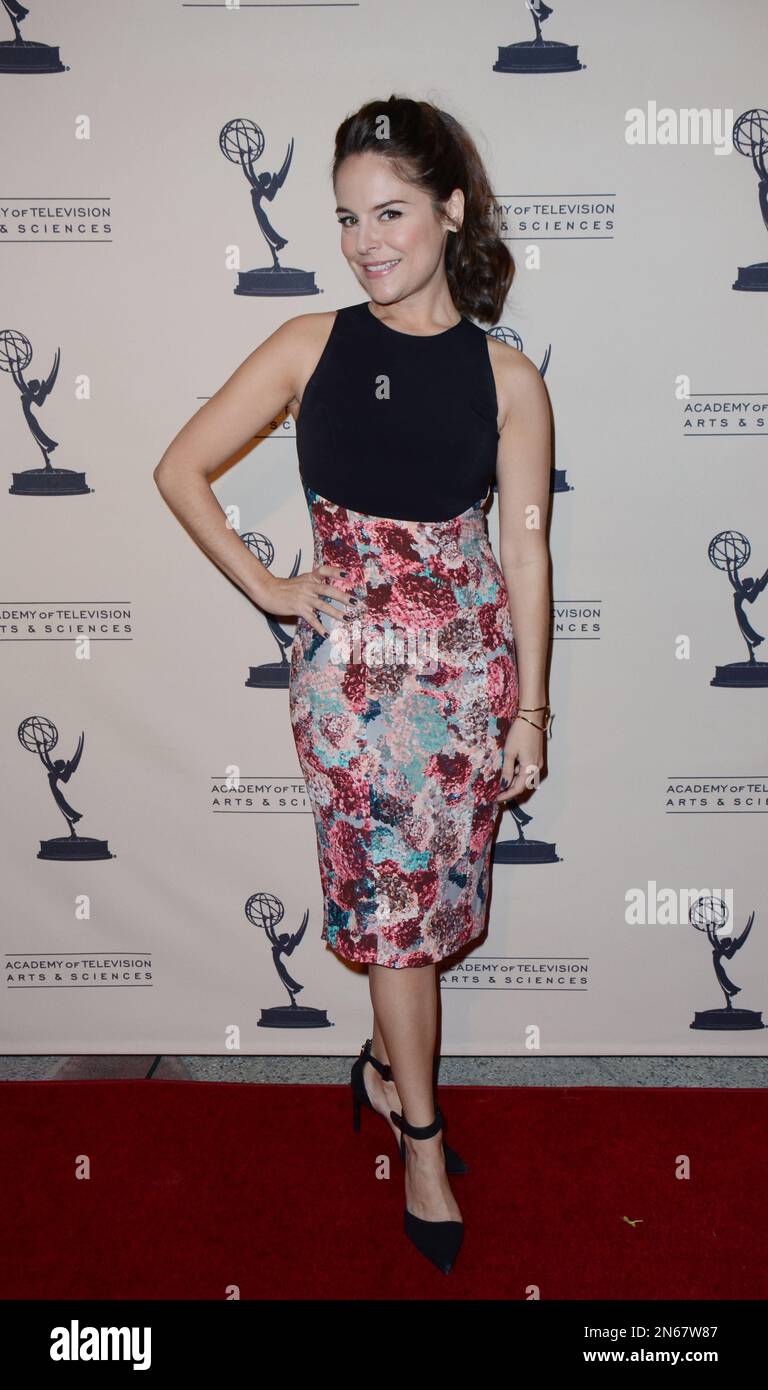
405	1012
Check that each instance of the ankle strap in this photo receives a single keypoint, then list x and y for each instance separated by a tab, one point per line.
383	1068
418	1131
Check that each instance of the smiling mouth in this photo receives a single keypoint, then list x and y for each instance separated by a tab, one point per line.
377	268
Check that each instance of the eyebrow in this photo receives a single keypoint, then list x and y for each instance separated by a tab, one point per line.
377	206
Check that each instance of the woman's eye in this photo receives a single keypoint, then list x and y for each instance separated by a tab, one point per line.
349	217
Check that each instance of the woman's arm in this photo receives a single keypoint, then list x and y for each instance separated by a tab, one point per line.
256	393
523	476
523	473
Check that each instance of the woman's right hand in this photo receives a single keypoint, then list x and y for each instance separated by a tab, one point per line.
304	594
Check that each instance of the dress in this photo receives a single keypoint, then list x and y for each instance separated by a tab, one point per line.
400	713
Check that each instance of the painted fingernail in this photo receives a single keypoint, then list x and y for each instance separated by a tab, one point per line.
504	783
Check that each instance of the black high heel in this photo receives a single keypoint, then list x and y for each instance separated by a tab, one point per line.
454	1163
440	1241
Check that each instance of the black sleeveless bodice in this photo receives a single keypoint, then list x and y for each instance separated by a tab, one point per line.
399	425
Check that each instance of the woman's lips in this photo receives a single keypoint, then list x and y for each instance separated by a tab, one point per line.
376	269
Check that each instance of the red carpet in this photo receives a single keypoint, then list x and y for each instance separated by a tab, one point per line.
195	1187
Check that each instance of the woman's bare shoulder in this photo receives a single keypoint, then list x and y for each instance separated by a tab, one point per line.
510	360
518	379
308	328
306	336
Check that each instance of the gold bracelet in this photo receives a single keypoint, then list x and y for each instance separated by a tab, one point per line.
543	728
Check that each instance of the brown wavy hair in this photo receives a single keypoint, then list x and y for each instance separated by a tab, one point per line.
429	148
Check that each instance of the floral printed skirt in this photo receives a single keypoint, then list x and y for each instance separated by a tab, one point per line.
400	714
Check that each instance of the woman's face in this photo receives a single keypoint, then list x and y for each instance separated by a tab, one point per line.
389	232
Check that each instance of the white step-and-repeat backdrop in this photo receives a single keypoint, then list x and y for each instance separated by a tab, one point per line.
160	848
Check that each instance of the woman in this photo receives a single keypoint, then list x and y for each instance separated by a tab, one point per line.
406	412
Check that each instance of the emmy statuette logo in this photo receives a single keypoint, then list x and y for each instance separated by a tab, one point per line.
242	142
15	357
750	137
23	55
40	735
271	675
538	54
729	551
710	915
522	851
265	911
